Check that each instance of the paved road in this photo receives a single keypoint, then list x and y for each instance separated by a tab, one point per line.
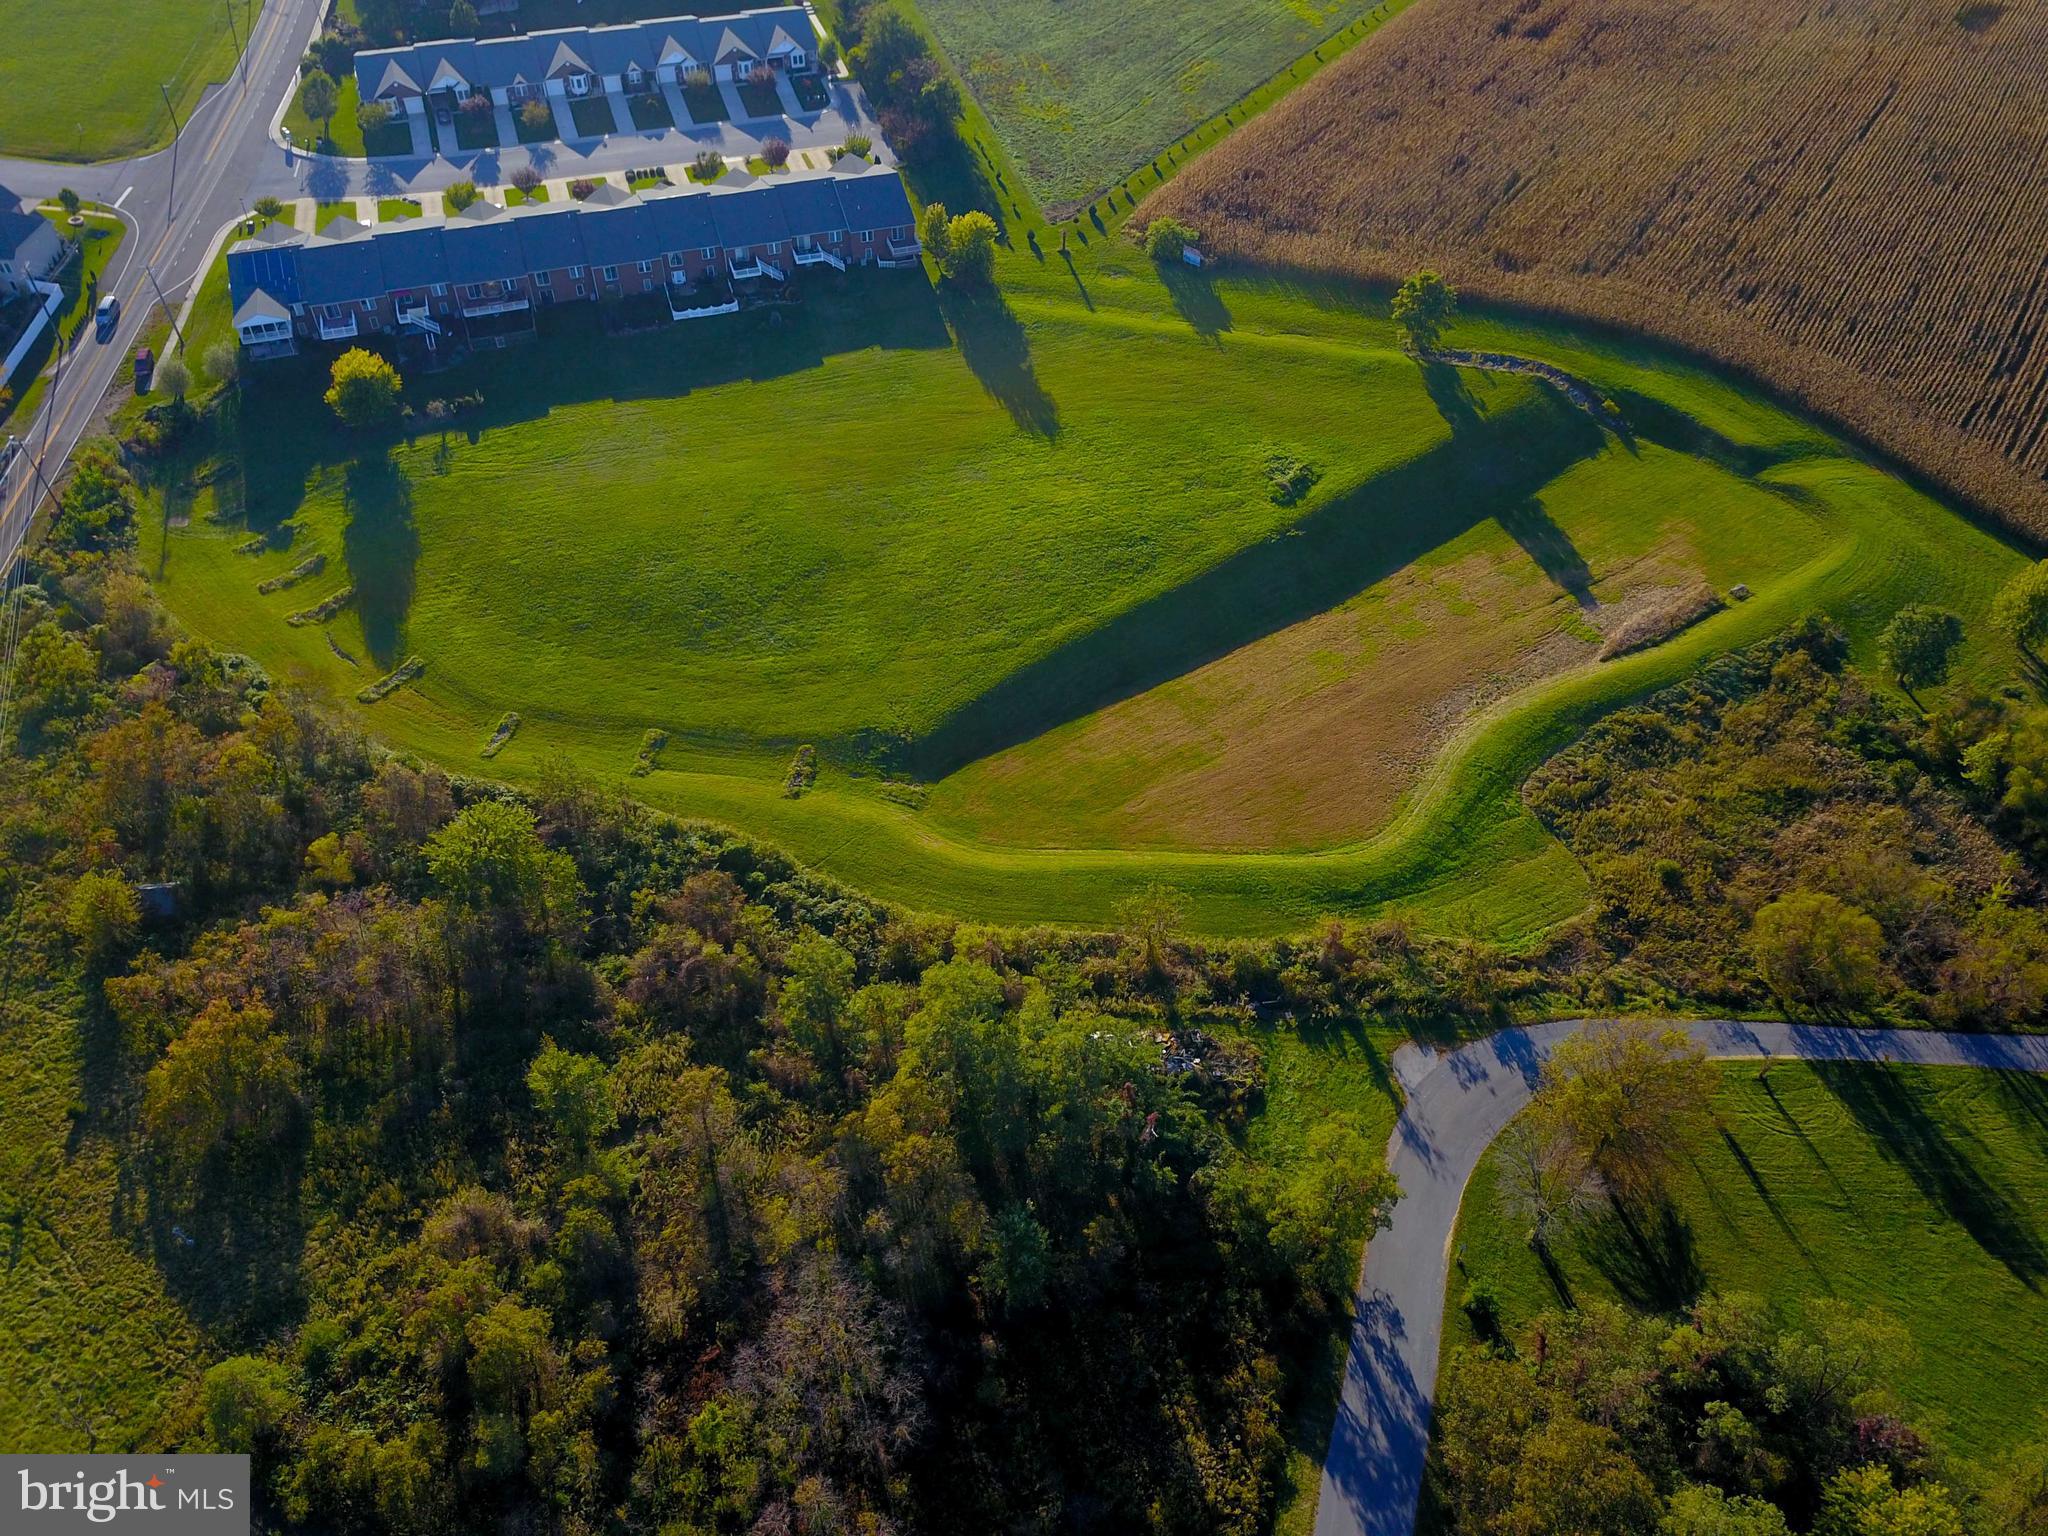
177	202
1456	1105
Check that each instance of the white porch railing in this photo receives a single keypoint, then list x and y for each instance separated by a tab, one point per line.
817	254
905	252
419	315
338	330
758	268
701	311
500	307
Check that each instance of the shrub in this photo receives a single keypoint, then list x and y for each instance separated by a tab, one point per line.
708	166
1167	239
173	378
1289	478
537	116
462	194
1919	644
527	177
1816	949
581	188
268	208
858	144
373	115
697	79
971	258
2020	611
477	104
776	152
363	389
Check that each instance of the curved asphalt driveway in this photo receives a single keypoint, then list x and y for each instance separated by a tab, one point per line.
1456	1105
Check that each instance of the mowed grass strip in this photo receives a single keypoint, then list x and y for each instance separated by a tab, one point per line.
1920	1190
82	78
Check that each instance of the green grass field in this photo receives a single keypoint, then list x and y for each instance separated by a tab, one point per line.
1034	573
83	77
1083	91
1922	1191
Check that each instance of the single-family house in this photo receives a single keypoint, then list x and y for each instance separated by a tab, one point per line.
30	247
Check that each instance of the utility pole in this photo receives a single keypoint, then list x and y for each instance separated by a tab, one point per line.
235	32
177	132
169	313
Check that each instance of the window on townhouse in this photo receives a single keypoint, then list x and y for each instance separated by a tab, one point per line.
611	274
368	305
544	279
675	258
579	290
576	272
646	267
440	290
474	290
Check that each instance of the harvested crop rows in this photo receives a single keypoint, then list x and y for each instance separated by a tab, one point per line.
1791	190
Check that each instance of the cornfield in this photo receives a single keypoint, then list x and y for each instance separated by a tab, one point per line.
1848	199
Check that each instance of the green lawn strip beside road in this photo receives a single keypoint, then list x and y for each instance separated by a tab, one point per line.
939	526
341	136
83	77
1919	1190
99	238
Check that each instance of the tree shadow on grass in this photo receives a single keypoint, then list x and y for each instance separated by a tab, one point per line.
1649	1257
2026	1098
382	548
1194	295
1941	1164
1770	1203
1530	526
229	1250
1450	394
996	350
1331	554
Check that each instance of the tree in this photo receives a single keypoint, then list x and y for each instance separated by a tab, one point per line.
1862	1501
490	859
1918	645
462	19
971	258
373	116
776	152
2018	1494
1816	949
69	201
932	234
229	1080
2020	611
1167	239
102	915
1618	1100
536	117
1422	308
1700	1509
318	99
173	378
363	389
1541	1179
245	1400
528	177
223	362
267	207
573	1093
463	193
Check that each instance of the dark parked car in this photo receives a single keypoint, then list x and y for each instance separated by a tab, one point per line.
106	317
145	369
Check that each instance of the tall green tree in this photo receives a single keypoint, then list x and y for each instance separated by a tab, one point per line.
1919	644
1423	306
363	389
2020	611
319	99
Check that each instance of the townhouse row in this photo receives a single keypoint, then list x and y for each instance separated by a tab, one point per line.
482	273
577	61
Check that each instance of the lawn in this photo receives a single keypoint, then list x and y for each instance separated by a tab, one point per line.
758	96
476	130
391	209
83	77
1028	576
344	135
593	115
325	214
514	197
101	237
650	111
1923	1191
1084	90
705	103
542	132
812	93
